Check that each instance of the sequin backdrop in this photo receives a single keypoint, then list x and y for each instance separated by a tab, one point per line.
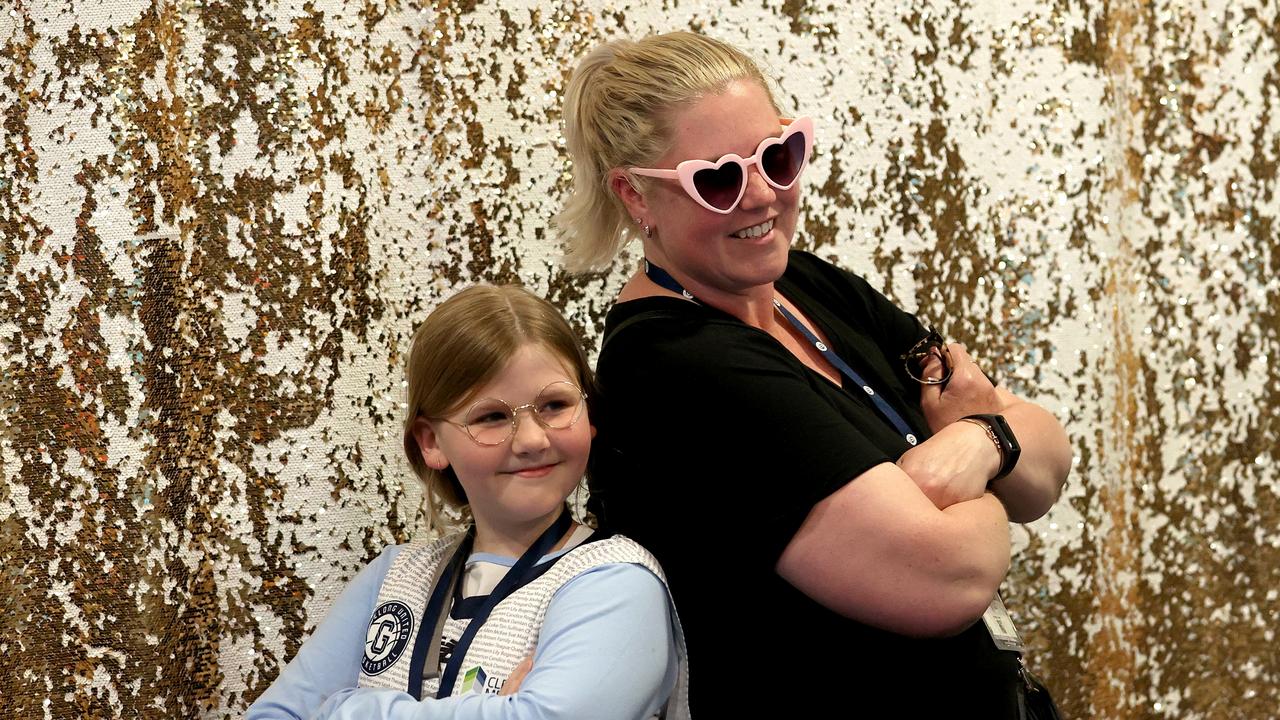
219	222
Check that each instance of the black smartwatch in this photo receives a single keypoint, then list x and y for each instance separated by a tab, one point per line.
1002	435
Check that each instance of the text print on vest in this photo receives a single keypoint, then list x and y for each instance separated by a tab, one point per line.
387	637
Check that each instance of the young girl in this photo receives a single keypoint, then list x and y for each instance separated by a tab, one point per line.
499	430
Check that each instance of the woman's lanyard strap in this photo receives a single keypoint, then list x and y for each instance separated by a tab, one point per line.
887	411
518	576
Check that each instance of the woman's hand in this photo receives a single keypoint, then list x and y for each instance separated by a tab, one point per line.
937	465
968	392
954	465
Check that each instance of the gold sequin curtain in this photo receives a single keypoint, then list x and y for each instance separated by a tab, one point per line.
219	222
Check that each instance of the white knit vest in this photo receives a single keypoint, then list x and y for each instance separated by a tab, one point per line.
507	637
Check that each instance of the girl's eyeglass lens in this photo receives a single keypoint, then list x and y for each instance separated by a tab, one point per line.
490	421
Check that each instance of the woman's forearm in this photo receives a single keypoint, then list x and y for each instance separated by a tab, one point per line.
878	551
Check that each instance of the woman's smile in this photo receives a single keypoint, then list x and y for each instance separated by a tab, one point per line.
755	232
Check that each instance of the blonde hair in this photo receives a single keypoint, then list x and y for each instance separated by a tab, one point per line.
616	113
464	344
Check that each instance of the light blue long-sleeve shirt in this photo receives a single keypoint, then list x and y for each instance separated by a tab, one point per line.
606	651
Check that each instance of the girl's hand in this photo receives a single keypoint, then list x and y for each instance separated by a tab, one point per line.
517	676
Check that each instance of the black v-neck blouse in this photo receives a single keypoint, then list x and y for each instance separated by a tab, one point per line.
713	444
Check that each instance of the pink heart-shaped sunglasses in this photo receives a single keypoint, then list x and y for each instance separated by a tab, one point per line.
719	186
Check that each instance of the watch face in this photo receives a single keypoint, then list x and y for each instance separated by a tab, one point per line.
1009	444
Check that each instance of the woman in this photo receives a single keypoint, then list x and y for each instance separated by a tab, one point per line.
843	500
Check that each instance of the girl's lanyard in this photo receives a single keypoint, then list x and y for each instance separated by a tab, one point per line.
663	278
523	572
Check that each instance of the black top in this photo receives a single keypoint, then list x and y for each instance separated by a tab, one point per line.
714	443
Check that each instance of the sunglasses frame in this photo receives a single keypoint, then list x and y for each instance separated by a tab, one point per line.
923	349
685	171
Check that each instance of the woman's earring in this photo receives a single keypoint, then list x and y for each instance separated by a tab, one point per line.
648	231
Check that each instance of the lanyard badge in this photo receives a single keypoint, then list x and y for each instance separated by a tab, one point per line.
1001	627
427	646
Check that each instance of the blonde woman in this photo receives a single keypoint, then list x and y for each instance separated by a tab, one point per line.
499	429
827	483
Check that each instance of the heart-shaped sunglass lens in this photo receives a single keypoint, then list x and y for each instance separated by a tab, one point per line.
782	162
719	187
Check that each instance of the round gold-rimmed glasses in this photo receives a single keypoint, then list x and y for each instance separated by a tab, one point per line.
918	357
492	421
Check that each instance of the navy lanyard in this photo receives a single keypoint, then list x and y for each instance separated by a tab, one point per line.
520	574
663	278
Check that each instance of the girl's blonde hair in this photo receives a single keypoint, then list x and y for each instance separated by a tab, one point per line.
617	112
463	345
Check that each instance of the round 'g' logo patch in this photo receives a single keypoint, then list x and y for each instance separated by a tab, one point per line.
387	637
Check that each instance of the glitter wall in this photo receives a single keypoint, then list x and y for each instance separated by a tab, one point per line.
219	222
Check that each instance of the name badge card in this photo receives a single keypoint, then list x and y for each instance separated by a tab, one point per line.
1000	625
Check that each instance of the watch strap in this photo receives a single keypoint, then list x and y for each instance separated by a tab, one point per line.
1005	441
